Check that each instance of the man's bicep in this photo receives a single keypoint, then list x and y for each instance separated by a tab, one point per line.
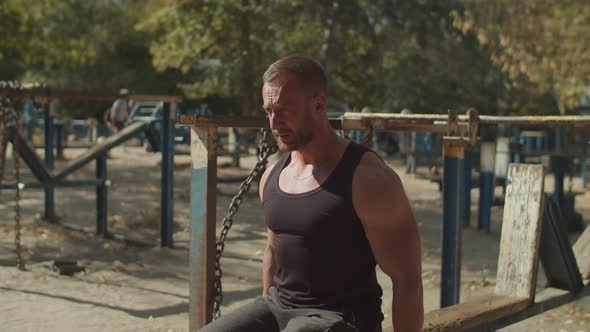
389	224
395	241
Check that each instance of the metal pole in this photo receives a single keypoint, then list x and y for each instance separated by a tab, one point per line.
202	226
559	176
59	133
49	161
486	185
233	142
557	139
452	229
467	166
412	153
528	140
101	196
167	195
584	174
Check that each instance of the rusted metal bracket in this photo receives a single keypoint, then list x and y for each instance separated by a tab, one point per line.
461	133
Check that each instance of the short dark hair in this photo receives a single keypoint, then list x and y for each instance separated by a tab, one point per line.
307	71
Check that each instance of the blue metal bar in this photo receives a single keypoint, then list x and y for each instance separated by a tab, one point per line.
539	142
30	157
358	136
467	166
486	200
109	143
452	228
59	136
558	189
167	196
412	163
528	147
49	190
546	143
558	139
151	134
101	196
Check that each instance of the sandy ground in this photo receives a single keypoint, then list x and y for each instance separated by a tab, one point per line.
130	288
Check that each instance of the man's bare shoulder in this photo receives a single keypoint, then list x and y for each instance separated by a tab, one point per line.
378	195
373	176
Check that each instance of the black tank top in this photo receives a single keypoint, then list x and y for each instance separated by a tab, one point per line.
322	254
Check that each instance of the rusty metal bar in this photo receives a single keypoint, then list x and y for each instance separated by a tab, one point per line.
52	93
483	119
233	121
350	121
535	120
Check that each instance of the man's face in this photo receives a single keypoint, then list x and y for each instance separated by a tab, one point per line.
290	113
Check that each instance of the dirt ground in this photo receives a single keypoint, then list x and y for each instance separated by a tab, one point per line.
130	288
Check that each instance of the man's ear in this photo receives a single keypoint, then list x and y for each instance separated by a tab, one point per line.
320	103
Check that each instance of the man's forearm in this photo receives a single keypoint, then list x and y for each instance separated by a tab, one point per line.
268	272
407	309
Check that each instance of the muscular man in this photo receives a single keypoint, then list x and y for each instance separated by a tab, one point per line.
333	210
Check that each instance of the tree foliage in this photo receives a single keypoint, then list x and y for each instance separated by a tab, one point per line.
544	42
85	45
428	55
386	54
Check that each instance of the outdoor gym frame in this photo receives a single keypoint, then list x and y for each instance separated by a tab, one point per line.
461	131
49	178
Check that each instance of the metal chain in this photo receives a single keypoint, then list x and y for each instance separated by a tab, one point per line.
20	263
3	138
267	148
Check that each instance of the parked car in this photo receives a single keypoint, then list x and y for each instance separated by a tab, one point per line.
149	111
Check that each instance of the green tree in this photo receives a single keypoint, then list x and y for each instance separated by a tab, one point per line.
89	46
544	42
13	41
221	47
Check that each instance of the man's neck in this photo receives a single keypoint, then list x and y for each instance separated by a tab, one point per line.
325	148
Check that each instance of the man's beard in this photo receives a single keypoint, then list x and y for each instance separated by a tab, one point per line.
298	139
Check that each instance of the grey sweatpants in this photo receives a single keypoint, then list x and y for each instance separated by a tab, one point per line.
266	315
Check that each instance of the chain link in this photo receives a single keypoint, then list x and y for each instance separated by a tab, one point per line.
267	148
4	103
3	138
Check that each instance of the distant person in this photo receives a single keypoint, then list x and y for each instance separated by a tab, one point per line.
120	111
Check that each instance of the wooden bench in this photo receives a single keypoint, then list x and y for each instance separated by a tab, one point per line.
514	295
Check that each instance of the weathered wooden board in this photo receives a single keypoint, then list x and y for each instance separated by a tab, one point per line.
521	232
545	300
582	253
473	313
202	225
